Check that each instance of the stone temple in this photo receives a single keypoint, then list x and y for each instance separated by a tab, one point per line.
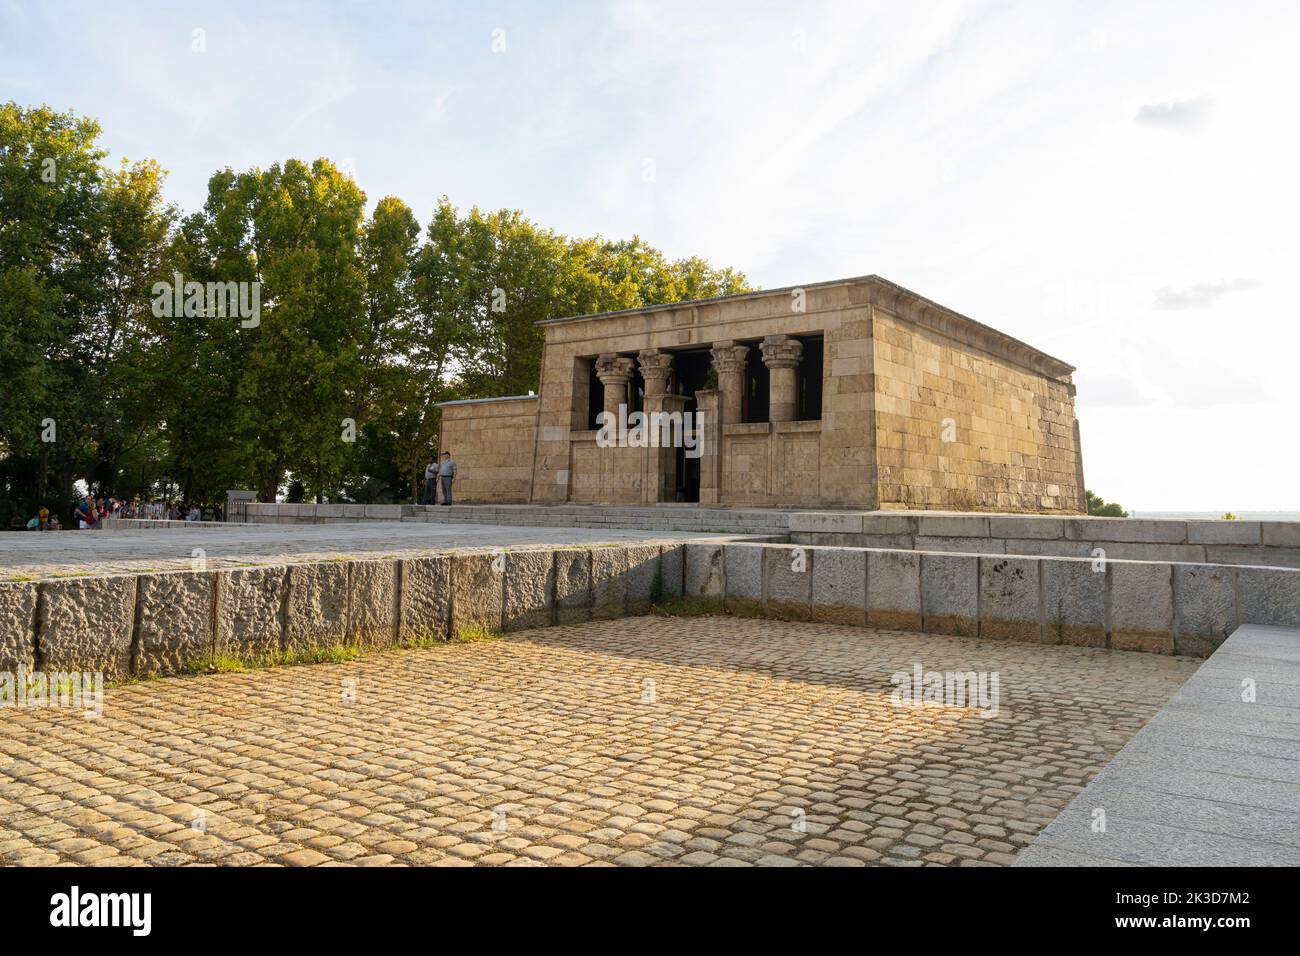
853	393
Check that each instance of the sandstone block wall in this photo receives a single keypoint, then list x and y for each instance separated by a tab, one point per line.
492	443
959	429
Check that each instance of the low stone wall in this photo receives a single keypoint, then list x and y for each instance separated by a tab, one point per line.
172	622
1269	543
177	621
1163	607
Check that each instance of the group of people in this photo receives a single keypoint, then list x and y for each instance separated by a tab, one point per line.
439	473
90	513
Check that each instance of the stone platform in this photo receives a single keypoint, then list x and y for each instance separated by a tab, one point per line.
1212	780
33	554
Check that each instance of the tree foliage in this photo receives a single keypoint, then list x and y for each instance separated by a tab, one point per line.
364	323
1099	508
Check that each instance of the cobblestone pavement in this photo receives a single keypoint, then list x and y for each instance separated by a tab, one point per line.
29	553
698	741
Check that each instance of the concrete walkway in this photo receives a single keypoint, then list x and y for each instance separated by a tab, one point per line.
30	552
1212	780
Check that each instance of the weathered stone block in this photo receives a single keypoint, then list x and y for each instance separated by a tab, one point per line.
572	585
317	615
952	526
86	625
372	602
477	580
426	599
894	590
1205	607
839	586
787	574
1224	532
970	545
674	558
643	564
704	570
1269	596
950	594
1280	534
1009	605
529	589
826	522
17	625
1136	530
250	602
1074	603
176	615
1141	606
608	582
1026	527
743	564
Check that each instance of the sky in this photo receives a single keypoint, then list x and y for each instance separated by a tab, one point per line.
1113	183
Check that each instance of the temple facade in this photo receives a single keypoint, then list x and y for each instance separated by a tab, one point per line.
854	393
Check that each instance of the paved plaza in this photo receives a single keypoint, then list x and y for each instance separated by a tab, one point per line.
697	741
29	553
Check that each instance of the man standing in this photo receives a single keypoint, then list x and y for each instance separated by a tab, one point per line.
430	482
447	472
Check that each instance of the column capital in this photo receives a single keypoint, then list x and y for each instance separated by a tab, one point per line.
729	357
614	369
781	351
655	367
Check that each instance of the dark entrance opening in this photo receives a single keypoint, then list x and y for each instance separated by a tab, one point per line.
757	384
808	385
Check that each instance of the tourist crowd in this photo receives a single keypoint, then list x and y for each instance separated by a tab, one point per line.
90	513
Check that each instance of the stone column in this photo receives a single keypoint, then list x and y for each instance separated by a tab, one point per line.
614	372
659	466
710	439
781	355
729	363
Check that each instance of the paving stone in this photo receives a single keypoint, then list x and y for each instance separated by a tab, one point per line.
552	724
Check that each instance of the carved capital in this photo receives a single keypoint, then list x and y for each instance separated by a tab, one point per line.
781	351
614	369
729	357
655	368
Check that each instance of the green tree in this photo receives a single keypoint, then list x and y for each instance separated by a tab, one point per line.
1102	509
